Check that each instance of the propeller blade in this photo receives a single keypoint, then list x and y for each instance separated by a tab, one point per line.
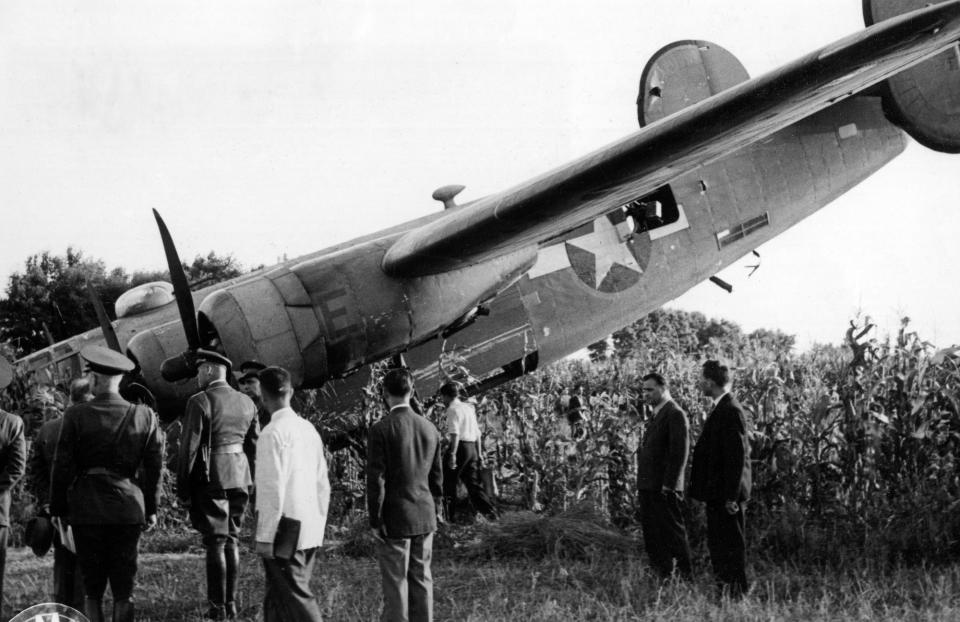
105	326
181	287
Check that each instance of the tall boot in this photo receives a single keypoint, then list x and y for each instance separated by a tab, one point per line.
232	555
93	609
123	611
216	580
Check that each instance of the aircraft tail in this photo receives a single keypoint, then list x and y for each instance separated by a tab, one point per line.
923	100
683	73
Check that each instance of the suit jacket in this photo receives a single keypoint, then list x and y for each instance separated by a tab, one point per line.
404	474
40	462
218	416
13	460
663	455
721	458
107	433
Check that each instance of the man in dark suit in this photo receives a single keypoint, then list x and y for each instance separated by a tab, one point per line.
105	482
720	477
215	465
13	459
660	466
404	477
67	577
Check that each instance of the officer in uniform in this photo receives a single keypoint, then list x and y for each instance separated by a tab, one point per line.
215	464
13	458
105	480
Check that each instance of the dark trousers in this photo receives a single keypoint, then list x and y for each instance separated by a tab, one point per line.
467	471
664	534
218	516
727	544
107	553
288	597
67	576
406	578
3	563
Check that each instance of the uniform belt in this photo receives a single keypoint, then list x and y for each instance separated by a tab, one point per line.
233	448
468	442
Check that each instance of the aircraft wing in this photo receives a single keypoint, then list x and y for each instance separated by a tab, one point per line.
576	193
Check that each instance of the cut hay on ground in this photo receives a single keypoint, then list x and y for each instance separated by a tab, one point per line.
578	533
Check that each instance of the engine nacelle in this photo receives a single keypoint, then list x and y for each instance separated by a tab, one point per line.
150	348
925	99
330	315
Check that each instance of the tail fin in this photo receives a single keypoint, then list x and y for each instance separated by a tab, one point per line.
925	99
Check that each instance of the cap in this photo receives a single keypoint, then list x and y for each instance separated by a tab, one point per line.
209	356
105	361
6	373
254	366
250	375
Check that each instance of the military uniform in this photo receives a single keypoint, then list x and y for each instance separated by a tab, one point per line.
12	463
105	479
217	454
67	577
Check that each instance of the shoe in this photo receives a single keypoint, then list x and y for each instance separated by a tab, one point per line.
123	611
231	610
93	609
216	612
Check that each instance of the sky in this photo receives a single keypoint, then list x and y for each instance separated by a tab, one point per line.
271	129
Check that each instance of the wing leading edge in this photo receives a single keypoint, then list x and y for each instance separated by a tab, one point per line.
574	194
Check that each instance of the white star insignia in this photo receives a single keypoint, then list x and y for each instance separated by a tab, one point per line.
607	249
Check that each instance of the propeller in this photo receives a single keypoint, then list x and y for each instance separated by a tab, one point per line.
183	366
105	326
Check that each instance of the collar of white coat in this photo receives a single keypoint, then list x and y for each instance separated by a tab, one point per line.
283	412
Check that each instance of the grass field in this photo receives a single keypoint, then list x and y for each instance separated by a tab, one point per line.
605	587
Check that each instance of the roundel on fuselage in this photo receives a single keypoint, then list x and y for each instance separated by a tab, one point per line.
683	73
924	100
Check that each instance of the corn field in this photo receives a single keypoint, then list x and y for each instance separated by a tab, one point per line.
853	447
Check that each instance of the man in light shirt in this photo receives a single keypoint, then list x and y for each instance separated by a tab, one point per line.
462	461
292	483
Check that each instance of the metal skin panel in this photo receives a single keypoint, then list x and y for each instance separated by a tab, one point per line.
924	100
150	348
251	322
683	73
659	153
356	314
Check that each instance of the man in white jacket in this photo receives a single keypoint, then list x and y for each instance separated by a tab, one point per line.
292	484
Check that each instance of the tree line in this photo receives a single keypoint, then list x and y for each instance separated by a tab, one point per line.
47	300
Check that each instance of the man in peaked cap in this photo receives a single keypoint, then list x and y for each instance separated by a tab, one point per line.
249	383
95	485
215	465
13	458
